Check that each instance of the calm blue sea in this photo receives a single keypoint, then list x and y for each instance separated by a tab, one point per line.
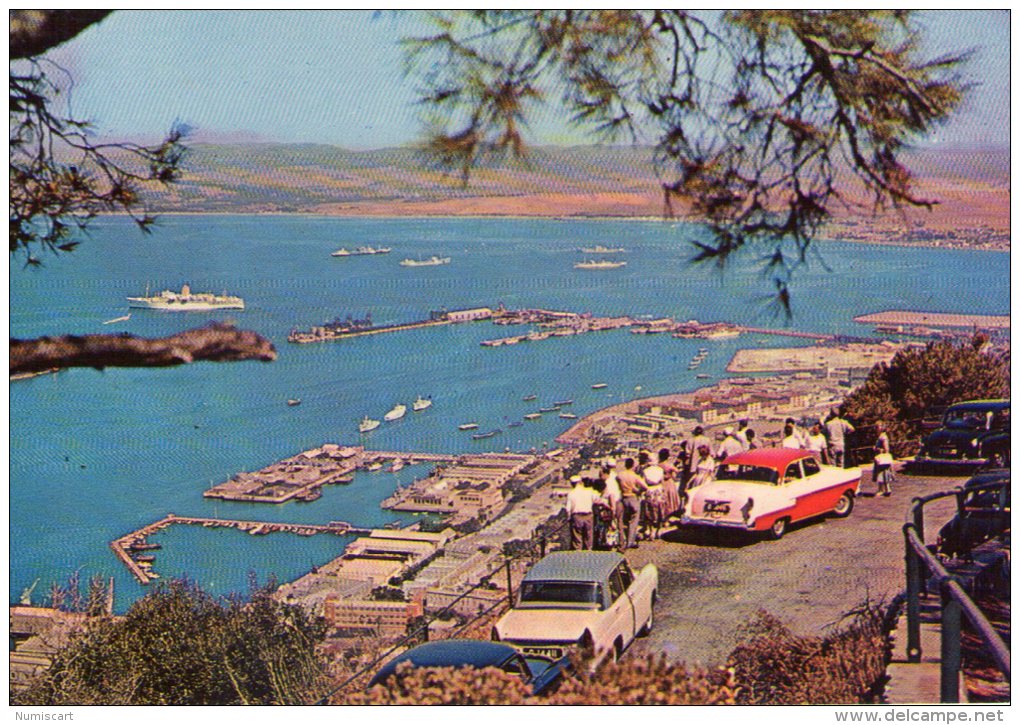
95	455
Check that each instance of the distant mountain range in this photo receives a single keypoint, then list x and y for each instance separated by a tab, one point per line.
973	184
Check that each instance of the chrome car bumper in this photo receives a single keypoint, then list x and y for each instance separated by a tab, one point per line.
718	523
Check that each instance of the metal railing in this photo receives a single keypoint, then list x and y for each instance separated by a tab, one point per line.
921	568
537	545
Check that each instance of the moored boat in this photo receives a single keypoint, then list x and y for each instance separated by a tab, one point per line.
467	426
560	403
187	301
532	416
421	404
398	412
599	264
599	386
367	424
433	261
527	398
600	249
482	436
293	401
568	416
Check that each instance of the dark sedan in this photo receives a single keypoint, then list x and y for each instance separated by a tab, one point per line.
542	675
983	514
973	433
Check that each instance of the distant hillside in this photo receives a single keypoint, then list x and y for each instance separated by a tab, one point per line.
973	185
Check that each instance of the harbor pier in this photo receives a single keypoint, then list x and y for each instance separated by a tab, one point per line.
141	566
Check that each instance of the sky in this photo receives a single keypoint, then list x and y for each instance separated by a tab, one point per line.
336	77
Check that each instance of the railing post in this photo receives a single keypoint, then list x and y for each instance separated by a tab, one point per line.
913	599
918	510
951	610
541	545
509	586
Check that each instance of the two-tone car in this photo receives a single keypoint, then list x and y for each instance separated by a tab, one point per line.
586	599
973	433
767	489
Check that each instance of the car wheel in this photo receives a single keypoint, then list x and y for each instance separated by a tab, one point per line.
778	528
617	649
844	506
649	623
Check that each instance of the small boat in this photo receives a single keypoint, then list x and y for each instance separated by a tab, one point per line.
467	426
360	251
560	403
398	412
528	398
532	416
599	386
568	416
551	409
599	249
421	404
367	424
432	261
396	465
293	401
482	436
599	264
125	318
702	376
374	466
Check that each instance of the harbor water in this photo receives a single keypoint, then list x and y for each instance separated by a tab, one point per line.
97	454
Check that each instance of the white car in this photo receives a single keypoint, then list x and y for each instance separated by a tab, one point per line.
590	599
767	489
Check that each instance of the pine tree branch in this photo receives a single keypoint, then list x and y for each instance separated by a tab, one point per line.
216	342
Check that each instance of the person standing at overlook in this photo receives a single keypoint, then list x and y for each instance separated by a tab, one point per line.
838	428
631	487
580	507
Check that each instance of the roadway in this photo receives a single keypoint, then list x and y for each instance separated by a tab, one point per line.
710	584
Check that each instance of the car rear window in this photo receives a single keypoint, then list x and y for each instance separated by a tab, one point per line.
737	472
572	592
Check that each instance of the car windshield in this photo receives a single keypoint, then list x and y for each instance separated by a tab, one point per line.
738	472
974	419
572	592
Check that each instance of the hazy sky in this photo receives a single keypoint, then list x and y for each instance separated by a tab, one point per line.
336	76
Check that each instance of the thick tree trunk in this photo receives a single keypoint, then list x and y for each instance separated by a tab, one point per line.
216	342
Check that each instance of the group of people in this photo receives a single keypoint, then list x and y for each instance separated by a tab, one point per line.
623	501
626	500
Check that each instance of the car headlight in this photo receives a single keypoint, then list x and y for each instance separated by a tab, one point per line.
973	442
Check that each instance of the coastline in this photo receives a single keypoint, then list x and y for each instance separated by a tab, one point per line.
870	236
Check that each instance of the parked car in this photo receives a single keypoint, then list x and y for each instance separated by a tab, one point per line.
983	514
767	489
974	432
589	599
542	674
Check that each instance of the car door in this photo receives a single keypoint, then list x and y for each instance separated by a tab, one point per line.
814	494
620	618
639	591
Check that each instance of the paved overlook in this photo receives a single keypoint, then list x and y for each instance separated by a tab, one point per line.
710	585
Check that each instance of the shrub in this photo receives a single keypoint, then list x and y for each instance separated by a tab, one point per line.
775	667
180	646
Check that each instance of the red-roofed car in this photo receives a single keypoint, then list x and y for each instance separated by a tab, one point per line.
767	489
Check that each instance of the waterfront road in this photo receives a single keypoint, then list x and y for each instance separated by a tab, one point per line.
710	585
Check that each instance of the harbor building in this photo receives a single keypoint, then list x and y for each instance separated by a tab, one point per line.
373	617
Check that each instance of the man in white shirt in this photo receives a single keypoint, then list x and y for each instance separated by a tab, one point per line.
730	445
580	501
